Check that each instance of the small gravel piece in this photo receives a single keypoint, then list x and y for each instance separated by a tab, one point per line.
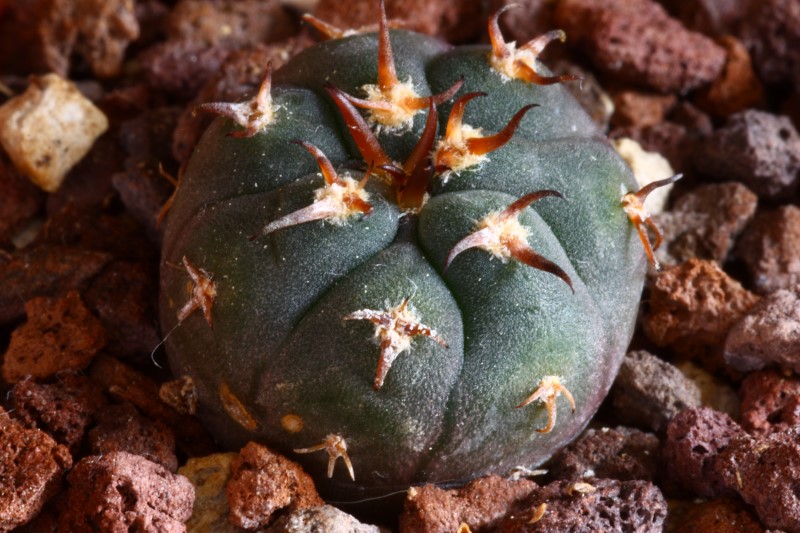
711	17
768	334
64	409
60	334
619	453
122	492
48	129
20	202
759	149
592	505
649	391
672	141
636	41
479	504
264	483
694	438
692	307
722	515
325	518
638	109
737	88
31	464
770	402
120	428
705	222
765	472
771	30
770	249
210	476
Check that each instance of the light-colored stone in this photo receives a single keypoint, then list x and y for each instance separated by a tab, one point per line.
210	476
48	129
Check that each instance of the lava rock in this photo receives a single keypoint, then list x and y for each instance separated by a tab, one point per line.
768	334
19	203
64	408
770	249
31	465
649	391
636	41
694	439
705	222
610	453
692	307
737	87
770	402
771	31
764	471
480	503
711	17
264	483
601	505
60	334
121	492
638	109
120	428
721	515
759	149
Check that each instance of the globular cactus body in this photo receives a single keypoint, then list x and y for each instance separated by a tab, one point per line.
297	317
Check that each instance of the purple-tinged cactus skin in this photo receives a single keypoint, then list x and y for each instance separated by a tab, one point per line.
407	264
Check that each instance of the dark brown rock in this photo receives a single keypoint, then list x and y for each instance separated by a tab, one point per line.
692	307
770	402
610	453
711	17
20	201
637	109
60	334
43	271
771	31
705	222
768	334
669	139
480	503
649	391
721	515
596	505
765	472
264	483
31	465
636	41
756	148
120	428
737	87
770	249
694	439
44	35
64	408
121	492
123	297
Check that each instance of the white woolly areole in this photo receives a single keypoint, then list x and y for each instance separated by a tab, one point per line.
253	116
452	151
500	231
393	330
335	197
400	117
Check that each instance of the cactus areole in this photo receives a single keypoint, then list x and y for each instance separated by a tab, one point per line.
402	262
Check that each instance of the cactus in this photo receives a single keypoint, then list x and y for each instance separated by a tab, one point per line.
390	298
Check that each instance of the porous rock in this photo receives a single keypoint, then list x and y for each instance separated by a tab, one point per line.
764	471
672	141
64	408
638	109
60	334
705	222
120	428
480	503
737	87
593	505
610	453
121	492
31	465
711	17
19	203
759	149
636	41
324	518
770	402
720	515
694	438
692	307
771	31
263	483
649	391
768	334
770	249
